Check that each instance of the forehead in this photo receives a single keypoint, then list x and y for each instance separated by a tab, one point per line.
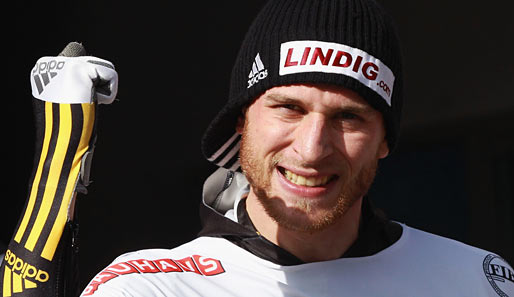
316	96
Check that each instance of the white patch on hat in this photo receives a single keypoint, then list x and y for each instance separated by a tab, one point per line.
319	56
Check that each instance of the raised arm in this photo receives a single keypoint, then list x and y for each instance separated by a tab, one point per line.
40	259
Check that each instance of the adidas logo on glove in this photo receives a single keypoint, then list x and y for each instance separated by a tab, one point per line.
83	79
44	71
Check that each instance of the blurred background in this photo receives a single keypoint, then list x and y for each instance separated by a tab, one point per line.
453	172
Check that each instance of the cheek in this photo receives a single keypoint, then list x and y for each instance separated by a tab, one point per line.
270	135
358	148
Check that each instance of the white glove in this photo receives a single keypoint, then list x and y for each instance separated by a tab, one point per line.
83	79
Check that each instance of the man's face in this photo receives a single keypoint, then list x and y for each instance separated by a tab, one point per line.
309	152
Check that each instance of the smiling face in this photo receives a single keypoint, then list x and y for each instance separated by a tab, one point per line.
310	152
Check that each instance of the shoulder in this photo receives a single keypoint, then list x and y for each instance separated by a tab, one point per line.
418	237
418	241
455	261
155	270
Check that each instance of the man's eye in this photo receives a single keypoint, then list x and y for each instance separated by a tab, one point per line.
290	108
347	116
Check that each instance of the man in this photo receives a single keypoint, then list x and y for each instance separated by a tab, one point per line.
315	102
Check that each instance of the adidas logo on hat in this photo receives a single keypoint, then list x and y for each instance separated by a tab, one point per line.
258	71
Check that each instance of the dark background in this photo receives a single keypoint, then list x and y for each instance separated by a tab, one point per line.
453	173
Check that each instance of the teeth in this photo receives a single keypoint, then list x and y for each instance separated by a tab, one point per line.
300	180
305	181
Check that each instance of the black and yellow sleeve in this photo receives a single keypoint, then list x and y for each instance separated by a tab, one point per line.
41	257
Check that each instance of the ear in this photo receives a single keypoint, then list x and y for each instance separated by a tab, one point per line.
241	122
383	149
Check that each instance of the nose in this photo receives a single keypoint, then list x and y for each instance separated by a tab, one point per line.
312	141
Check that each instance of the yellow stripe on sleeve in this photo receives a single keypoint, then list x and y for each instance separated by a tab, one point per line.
54	174
37	177
88	111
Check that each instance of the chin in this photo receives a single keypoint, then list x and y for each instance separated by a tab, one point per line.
312	214
304	214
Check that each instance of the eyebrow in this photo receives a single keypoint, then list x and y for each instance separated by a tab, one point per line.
351	108
282	99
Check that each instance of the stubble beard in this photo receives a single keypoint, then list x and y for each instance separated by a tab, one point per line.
299	217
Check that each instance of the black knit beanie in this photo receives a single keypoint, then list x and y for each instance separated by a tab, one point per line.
348	43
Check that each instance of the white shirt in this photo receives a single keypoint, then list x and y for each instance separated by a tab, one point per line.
419	264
